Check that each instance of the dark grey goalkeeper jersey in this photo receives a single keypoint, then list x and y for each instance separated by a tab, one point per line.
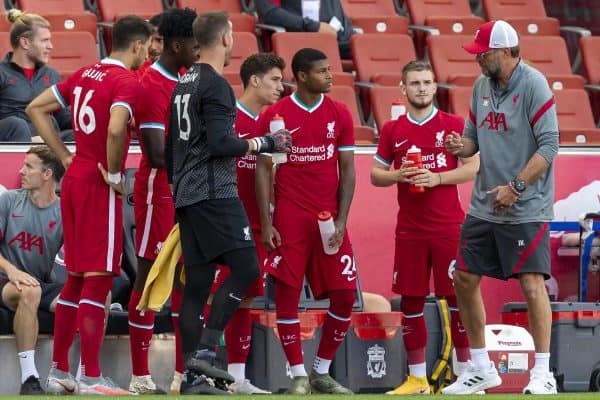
30	236
509	126
202	104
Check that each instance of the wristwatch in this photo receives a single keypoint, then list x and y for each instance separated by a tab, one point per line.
518	185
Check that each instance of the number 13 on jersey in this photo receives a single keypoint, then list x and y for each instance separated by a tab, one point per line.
182	102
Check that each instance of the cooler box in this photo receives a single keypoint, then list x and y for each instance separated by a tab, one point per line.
512	351
372	359
574	345
267	366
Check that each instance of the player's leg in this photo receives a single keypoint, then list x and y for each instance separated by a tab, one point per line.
411	280
332	276
238	332
477	255
288	327
25	302
530	261
443	262
176	297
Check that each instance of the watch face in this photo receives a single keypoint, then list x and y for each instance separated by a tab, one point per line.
519	184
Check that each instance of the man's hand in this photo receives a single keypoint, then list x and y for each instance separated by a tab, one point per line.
425	178
338	236
406	172
119	187
324	27
276	142
270	237
18	278
505	198
453	143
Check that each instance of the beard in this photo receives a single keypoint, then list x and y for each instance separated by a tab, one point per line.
492	71
419	105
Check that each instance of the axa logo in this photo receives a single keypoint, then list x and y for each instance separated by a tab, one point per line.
495	122
331	130
27	241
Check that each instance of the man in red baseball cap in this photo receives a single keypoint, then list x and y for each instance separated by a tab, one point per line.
512	124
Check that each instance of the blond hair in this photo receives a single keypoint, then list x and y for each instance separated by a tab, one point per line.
24	24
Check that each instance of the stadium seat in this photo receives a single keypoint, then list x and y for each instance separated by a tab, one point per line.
459	100
381	98
238	90
43	7
451	63
73	21
5	46
375	16
590	52
72	50
528	17
241	22
111	10
347	95
244	46
575	119
379	58
286	44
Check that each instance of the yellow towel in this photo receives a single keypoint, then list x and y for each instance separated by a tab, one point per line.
160	278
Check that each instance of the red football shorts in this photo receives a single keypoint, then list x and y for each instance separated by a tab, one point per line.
301	253
414	261
92	217
153	222
258	286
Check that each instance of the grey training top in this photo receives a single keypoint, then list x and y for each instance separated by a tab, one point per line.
509	126
30	236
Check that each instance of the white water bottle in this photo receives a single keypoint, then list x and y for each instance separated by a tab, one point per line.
398	109
275	125
327	229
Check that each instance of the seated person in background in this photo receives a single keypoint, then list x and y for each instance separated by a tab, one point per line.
309	16
23	75
31	234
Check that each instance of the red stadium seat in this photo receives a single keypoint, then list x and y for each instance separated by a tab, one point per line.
72	50
51	6
111	10
590	52
450	62
5	46
575	119
244	46
528	17
241	22
379	58
73	21
286	44
346	95
459	99
375	16
381	98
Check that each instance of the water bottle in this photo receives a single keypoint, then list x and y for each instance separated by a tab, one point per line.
327	229
398	109
414	154
275	125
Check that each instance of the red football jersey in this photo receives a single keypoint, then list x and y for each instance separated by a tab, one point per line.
153	111
423	214
143	68
247	127
92	92
310	177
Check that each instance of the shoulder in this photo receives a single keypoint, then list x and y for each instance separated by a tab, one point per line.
452	119
338	106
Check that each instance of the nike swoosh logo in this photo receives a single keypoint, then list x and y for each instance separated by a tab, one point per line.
245	346
68	389
241	135
351	278
286	343
338	339
398	144
294	130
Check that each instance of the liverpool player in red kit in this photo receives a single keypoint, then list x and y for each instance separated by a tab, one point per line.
153	201
323	148
262	78
102	97
428	223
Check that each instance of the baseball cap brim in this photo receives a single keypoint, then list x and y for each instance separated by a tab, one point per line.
475	48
